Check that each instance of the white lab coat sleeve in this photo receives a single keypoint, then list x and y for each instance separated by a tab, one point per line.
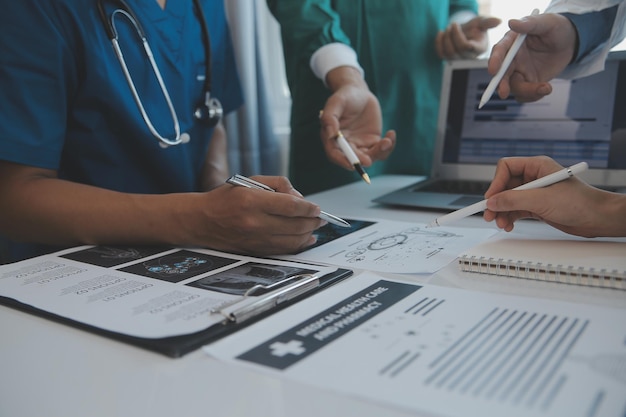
594	61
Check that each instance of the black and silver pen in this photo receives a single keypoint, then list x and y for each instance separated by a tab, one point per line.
242	181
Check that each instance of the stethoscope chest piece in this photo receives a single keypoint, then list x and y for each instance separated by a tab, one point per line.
210	112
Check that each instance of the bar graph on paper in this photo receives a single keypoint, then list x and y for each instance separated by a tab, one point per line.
509	356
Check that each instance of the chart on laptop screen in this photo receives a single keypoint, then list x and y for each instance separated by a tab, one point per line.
572	124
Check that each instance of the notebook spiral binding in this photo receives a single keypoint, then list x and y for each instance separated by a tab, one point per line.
592	277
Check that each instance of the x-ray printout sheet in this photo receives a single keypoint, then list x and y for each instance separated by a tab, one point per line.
444	351
391	246
144	292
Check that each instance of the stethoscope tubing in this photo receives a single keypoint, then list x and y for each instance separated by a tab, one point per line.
212	110
120	56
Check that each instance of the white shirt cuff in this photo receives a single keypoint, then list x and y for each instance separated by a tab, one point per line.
331	56
462	17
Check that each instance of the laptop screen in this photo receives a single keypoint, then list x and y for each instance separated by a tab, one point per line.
581	120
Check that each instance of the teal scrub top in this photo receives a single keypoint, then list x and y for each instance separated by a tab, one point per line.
395	44
67	106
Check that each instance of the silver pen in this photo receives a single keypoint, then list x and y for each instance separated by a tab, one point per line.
266	302
242	181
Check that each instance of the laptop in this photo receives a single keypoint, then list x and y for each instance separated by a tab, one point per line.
582	120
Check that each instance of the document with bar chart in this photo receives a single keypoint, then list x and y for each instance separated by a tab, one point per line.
444	351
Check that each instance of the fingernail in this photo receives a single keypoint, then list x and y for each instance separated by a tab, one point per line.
544	90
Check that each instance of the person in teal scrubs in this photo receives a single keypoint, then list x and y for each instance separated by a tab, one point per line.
385	60
78	161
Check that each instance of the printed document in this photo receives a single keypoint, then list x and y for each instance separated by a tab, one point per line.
145	292
391	246
444	351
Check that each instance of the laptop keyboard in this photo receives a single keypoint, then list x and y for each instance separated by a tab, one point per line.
455	187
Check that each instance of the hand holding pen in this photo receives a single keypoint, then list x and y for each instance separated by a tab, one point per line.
242	181
501	179
572	206
355	112
235	219
504	67
549	47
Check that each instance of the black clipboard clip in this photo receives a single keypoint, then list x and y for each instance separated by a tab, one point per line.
241	310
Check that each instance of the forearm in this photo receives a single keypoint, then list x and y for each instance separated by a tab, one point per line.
36	207
52	211
587	211
611	214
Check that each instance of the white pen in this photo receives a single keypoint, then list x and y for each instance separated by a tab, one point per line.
250	183
504	67
349	153
550	179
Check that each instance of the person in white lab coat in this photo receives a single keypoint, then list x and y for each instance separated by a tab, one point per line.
570	40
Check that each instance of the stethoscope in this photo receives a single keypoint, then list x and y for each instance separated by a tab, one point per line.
209	112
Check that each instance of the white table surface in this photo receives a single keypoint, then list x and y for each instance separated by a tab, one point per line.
49	369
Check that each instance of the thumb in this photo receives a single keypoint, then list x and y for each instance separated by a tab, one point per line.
532	25
486	23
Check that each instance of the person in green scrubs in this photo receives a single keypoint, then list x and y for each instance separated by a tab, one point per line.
370	65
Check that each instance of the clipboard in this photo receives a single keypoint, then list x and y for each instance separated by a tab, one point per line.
178	346
235	315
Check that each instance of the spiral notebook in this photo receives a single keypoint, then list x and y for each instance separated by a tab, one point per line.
597	263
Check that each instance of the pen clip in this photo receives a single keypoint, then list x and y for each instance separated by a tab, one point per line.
248	182
236	312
